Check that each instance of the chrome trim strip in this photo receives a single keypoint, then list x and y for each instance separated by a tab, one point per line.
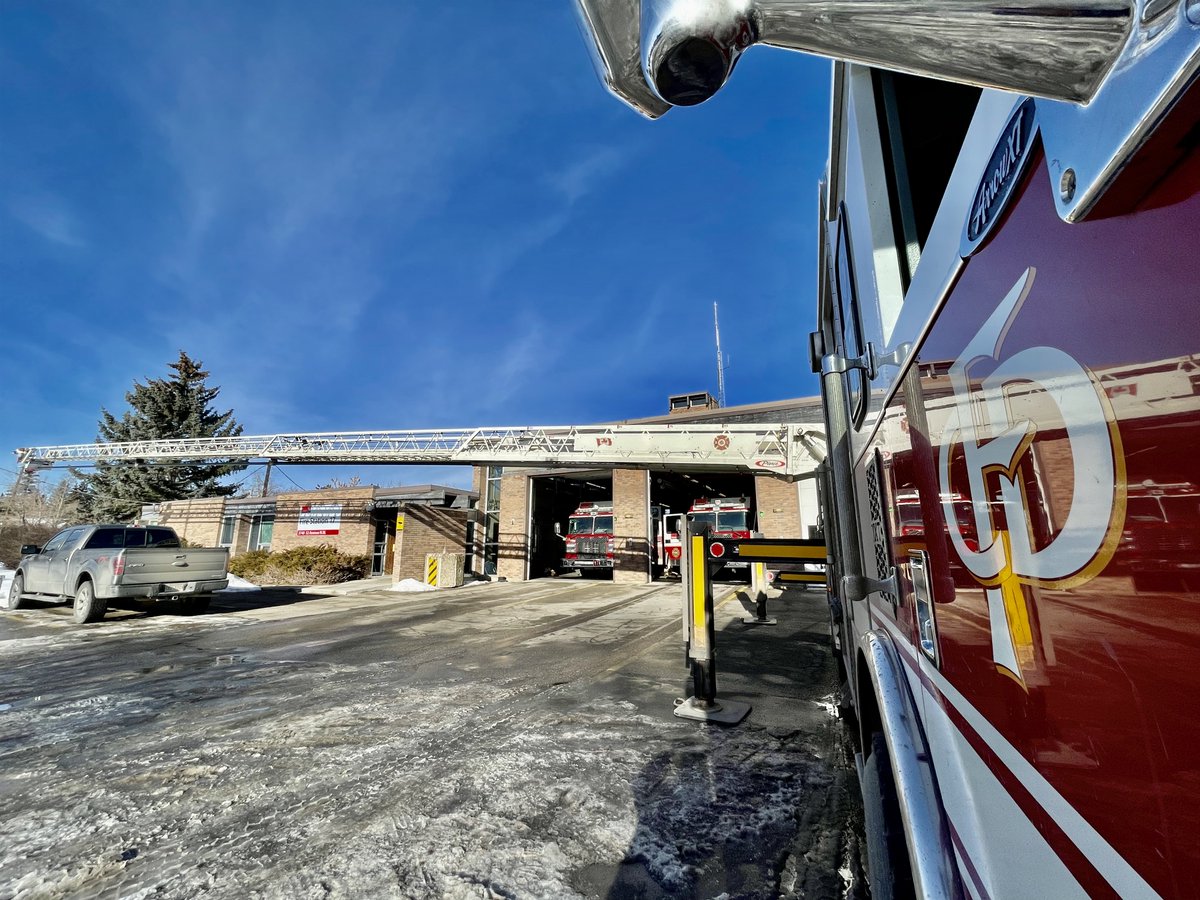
930	849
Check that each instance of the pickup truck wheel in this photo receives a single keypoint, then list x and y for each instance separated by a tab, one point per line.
193	606
88	607
13	599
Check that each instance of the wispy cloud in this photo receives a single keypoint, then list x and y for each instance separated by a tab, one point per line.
49	217
586	173
505	248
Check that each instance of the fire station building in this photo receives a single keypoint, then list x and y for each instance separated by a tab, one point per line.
397	526
519	508
508	525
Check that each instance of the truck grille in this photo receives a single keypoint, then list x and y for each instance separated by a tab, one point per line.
592	546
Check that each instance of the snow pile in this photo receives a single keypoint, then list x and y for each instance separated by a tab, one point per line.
411	585
239	584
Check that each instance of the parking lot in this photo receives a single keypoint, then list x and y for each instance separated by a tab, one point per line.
501	740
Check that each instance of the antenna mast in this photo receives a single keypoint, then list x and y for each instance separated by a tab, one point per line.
720	361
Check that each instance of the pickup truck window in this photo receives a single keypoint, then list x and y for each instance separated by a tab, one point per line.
107	539
116	538
160	537
56	542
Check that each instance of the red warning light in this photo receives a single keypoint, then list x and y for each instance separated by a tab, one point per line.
717	549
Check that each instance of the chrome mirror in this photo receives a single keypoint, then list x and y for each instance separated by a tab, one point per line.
655	54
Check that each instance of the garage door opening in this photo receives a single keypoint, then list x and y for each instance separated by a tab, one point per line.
697	496
555	498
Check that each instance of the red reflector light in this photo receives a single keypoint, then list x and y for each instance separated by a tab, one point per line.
717	549
119	564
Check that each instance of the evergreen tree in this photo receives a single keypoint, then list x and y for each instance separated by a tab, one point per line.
174	407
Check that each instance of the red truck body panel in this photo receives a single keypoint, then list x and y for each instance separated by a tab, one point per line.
1101	705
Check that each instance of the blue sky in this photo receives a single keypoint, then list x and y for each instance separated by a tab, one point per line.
388	215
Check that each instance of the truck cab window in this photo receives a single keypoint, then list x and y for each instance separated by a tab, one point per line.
106	539
849	317
922	125
161	537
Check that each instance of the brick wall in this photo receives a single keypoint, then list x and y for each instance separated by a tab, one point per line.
778	504
356	531
196	521
631	556
513	561
427	529
479	486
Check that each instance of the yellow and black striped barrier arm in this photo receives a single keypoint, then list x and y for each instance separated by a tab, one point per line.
779	550
807	551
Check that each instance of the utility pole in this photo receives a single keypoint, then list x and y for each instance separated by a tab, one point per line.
720	361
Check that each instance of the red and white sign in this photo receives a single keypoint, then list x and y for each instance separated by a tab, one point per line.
319	519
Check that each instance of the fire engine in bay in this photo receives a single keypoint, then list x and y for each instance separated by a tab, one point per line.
1008	346
590	543
727	517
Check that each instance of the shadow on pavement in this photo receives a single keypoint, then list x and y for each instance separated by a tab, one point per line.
766	809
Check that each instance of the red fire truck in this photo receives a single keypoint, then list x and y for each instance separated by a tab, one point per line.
590	544
589	538
1007	269
728	517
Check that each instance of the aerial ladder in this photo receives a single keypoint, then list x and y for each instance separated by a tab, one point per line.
786	451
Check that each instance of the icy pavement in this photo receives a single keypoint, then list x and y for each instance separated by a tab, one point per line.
510	741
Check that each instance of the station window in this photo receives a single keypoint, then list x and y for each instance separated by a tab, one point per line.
226	539
491	519
261	530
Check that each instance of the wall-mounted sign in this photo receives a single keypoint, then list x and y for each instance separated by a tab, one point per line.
399	522
319	519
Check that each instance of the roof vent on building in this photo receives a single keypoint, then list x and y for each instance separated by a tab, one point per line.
684	402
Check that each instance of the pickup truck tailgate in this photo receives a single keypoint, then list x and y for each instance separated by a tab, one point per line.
173	566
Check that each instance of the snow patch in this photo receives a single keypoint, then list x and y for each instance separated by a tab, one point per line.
411	585
239	584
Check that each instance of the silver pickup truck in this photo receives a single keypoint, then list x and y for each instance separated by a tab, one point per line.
93	564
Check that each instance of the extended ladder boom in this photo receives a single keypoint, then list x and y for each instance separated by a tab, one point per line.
786	451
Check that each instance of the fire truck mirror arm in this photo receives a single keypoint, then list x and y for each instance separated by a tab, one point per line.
655	54
926	830
859	587
870	362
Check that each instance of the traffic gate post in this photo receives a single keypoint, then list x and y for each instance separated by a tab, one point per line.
758	589
698	601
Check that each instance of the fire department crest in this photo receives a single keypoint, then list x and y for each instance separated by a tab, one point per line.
992	427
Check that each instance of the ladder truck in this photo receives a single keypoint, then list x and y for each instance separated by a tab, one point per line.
1007	337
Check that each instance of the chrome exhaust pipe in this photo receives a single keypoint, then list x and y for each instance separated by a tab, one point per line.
655	54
